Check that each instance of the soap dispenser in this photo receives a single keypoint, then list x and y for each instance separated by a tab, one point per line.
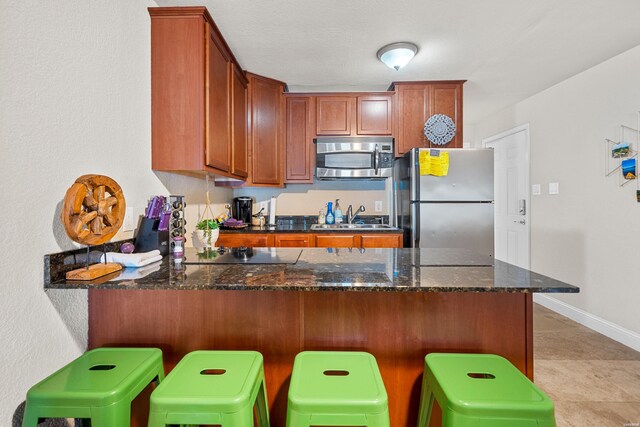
330	218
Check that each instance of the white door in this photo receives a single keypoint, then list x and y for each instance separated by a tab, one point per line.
511	181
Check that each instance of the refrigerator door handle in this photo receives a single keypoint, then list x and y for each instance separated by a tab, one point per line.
415	225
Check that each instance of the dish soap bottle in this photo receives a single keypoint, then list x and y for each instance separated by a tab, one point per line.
330	219
338	212
321	217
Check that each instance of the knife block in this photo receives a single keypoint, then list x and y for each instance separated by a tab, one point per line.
149	238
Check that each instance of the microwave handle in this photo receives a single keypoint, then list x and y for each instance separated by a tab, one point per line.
376	159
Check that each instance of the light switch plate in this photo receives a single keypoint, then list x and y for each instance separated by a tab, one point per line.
378	206
128	220
535	189
554	188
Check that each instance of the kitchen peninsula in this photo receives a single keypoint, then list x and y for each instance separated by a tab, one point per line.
398	304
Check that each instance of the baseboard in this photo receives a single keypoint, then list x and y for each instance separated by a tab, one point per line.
606	328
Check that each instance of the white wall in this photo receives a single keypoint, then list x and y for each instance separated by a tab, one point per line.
75	99
588	234
308	199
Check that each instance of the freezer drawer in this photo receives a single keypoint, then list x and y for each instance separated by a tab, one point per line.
454	225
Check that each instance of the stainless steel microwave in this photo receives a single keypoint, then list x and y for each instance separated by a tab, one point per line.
345	157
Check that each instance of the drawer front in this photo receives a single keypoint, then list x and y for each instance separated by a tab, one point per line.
381	241
248	240
292	240
337	241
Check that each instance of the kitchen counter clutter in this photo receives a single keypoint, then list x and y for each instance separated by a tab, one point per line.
331	269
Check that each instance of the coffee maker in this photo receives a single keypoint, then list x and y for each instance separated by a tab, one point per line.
241	208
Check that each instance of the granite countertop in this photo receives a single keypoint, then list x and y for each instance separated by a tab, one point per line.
330	269
302	224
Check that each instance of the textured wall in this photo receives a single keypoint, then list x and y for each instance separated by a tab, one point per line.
586	235
75	99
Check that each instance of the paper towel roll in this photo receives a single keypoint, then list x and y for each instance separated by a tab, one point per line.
272	211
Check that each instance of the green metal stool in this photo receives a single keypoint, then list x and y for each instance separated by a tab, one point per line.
212	387
99	385
332	388
481	390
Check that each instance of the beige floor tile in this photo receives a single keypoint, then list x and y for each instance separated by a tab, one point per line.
580	344
597	414
579	381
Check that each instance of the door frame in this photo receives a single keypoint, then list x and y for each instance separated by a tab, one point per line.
490	142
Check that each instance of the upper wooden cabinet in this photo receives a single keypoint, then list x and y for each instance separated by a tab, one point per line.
266	136
416	102
299	134
196	101
354	114
374	115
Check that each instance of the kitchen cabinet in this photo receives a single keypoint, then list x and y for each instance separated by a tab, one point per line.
381	240
416	102
197	106
354	114
374	115
319	240
292	240
336	241
300	131
266	135
252	240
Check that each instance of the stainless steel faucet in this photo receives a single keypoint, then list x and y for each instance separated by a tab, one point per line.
351	216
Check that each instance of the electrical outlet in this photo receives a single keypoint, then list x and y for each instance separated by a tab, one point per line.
554	188
535	189
128	220
378	206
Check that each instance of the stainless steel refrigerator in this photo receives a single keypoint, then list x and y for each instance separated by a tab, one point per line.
453	211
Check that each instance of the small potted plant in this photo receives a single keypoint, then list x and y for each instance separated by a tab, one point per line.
207	233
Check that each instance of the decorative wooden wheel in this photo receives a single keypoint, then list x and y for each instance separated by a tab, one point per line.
93	209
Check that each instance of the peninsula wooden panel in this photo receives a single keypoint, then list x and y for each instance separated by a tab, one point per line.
374	115
333	115
300	131
398	328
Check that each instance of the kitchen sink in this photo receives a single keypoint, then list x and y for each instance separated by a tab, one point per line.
352	227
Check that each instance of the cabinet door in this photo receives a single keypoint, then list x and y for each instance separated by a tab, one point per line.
412	113
239	162
337	241
374	115
234	240
381	240
218	135
333	115
266	124
294	240
446	98
300	151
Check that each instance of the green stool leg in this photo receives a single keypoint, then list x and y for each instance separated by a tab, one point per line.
296	419
156	420
114	415
30	418
426	404
378	420
262	406
239	419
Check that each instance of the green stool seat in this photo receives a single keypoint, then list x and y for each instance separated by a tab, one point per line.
212	387
336	388
481	390
99	385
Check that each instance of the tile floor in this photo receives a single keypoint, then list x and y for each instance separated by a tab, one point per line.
593	380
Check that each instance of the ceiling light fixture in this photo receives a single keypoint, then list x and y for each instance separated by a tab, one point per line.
397	55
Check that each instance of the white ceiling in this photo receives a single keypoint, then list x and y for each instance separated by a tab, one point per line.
507	50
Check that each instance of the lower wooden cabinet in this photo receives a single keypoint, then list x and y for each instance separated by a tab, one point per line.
337	241
249	240
311	240
292	240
